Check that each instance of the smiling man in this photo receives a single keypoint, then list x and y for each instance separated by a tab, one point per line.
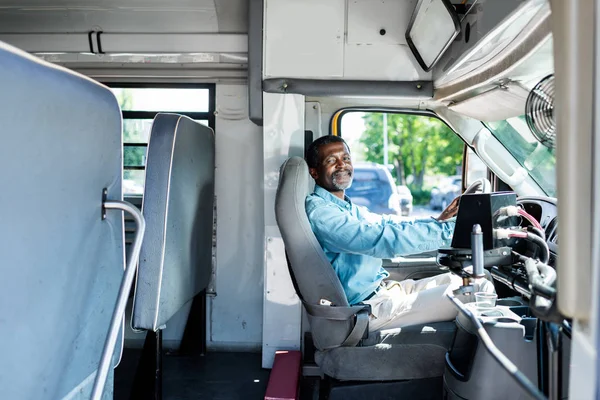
355	240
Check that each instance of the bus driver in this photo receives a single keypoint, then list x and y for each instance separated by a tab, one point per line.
355	240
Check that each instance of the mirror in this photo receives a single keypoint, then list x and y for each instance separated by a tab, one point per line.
433	26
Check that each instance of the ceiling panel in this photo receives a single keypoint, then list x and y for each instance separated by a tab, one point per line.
125	16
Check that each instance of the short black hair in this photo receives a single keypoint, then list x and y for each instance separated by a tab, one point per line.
312	153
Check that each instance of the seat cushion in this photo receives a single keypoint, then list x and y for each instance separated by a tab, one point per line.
62	263
383	362
412	352
440	333
175	259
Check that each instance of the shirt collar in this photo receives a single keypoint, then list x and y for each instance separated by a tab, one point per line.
325	194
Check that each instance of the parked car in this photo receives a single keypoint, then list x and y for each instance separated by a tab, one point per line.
406	200
443	195
373	187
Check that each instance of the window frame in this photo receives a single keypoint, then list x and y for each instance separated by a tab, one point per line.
149	115
335	126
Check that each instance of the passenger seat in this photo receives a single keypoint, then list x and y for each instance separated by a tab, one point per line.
175	262
61	262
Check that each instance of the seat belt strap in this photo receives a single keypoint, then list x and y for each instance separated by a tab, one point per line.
336	313
358	332
343	313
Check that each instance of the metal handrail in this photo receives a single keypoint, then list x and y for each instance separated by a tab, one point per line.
115	323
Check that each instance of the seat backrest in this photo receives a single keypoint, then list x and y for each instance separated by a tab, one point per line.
310	269
176	255
61	264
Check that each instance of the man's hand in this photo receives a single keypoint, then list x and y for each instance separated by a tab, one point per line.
450	211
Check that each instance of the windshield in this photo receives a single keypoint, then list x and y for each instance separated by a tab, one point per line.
539	160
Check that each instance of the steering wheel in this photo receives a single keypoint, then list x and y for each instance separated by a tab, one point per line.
481	185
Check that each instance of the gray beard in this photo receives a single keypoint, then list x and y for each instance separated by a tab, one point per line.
341	186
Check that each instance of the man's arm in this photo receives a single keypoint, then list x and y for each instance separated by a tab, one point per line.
391	218
448	214
340	232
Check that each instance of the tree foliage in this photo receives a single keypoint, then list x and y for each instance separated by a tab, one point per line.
133	132
417	146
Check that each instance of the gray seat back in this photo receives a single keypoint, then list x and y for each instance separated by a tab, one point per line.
61	263
313	275
176	256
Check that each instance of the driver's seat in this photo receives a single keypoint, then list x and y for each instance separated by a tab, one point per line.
345	348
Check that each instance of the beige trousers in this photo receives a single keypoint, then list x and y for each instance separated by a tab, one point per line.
410	302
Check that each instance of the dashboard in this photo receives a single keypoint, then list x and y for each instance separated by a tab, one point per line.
545	211
514	276
522	258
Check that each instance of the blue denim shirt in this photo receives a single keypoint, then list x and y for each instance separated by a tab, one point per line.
355	240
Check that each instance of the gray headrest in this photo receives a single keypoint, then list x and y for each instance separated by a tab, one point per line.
176	256
313	274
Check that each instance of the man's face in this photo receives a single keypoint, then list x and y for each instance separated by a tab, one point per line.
334	171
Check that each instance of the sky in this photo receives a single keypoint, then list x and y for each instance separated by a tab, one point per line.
352	128
169	99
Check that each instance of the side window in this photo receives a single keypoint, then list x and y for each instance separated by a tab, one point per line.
139	106
414	161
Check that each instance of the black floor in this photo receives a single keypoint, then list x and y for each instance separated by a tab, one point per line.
215	376
228	376
125	372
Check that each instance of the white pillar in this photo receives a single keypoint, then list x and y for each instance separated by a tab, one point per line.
385	140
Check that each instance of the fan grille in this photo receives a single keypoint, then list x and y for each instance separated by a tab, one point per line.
539	112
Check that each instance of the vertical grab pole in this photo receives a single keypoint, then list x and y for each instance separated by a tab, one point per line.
115	323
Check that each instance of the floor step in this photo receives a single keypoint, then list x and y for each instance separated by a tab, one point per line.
285	375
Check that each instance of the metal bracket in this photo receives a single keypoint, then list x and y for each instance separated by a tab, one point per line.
104	195
465	290
94	36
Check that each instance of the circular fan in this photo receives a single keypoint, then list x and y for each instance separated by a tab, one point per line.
539	112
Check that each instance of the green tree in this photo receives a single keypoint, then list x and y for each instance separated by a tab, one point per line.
417	146
133	132
124	98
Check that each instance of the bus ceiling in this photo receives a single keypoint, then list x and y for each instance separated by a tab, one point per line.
481	52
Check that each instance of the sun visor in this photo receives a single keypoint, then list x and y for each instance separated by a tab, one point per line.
494	105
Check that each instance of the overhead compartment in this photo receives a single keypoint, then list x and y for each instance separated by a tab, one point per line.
339	39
